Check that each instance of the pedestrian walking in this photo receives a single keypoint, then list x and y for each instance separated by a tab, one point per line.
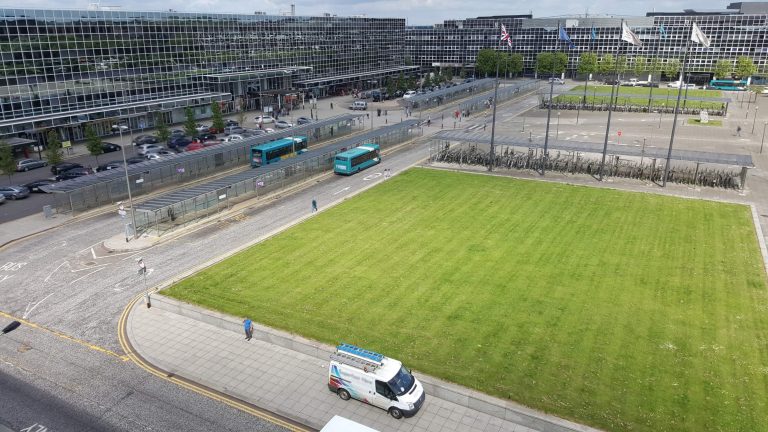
314	205
248	327
429	121
331	105
738	130
484	125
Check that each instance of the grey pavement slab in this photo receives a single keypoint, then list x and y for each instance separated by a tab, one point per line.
279	379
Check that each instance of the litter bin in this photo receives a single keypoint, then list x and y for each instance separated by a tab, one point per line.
47	211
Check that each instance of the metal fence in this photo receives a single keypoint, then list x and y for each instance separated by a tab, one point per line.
110	187
505	93
446	95
177	209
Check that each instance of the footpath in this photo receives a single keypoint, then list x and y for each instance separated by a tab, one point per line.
287	375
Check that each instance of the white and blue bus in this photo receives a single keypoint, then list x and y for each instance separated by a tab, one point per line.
278	150
356	159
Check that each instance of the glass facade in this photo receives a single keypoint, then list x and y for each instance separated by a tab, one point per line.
63	68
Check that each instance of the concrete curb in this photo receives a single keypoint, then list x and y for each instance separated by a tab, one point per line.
459	395
760	236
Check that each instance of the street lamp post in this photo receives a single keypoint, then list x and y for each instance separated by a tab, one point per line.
661	112
754	120
128	185
762	141
642	154
557	134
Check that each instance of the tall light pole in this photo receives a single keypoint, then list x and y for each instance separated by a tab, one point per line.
754	119
127	182
762	141
642	153
557	136
661	112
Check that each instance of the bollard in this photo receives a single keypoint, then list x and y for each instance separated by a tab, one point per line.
147	300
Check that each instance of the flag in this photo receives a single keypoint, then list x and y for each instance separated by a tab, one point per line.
505	35
593	35
662	31
563	36
698	36
629	36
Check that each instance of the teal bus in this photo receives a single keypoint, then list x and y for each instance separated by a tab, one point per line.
275	151
730	85
356	159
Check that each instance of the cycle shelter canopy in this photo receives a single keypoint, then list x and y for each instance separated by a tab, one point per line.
169	211
109	187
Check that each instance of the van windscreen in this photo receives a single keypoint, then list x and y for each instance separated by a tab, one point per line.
402	382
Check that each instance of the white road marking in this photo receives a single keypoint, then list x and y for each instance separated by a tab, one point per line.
5	277
57	268
80	278
27	312
340	191
372	176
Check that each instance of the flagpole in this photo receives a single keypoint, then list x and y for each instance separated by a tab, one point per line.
610	107
493	117
655	63
586	81
677	107
549	106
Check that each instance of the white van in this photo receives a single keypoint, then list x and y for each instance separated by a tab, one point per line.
341	424
376	380
359	105
409	94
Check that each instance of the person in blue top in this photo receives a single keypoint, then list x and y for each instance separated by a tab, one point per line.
248	326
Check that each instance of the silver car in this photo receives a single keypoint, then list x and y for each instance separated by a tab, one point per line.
28	164
14	192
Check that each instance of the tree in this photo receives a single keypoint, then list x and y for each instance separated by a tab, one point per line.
552	63
427	82
745	67
462	74
654	66
7	163
217	118
391	86
53	149
190	125
161	128
402	85
607	64
486	62
587	63
449	74
672	68
621	65
640	65
513	63
93	142
723	69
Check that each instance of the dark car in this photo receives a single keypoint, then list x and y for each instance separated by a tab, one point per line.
109	166
74	173
64	166
177	133
304	120
179	142
145	139
206	137
14	192
109	147
231	123
135	160
35	185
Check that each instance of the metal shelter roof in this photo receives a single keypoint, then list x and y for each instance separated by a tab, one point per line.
111	175
517	85
185	194
587	147
450	90
645	96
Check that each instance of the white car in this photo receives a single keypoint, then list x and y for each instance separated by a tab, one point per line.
282	124
119	128
202	128
233	137
264	119
160	154
145	149
409	94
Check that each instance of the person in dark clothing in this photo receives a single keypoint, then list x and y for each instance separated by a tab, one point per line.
314	205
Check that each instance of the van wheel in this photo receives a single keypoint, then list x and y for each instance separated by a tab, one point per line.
343	394
396	413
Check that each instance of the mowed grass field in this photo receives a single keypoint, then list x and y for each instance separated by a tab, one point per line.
639	96
625	311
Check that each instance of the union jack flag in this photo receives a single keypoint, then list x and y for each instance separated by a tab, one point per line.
505	35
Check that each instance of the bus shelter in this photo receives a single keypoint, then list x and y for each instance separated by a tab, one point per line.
109	187
506	92
439	97
170	211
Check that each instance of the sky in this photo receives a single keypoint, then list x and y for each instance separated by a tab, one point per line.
416	12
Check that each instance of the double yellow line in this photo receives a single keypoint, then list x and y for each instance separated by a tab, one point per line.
122	332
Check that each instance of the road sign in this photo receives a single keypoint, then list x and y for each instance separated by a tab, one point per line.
619	133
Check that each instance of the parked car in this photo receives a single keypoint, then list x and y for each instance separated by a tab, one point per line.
136	159
159	155
229	130
230	122
304	120
35	185
179	142
233	137
409	94
177	132
264	119
14	192
557	80
117	128
205	137
64	166
202	128
215	130
107	147
145	139
358	105
148	148
194	146
282	124
28	164
2	199
109	166
73	174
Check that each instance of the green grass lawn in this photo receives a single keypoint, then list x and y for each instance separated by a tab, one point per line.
639	96
697	122
625	311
